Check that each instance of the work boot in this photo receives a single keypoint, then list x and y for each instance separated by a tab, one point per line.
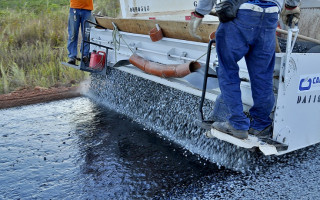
265	133
72	61
226	127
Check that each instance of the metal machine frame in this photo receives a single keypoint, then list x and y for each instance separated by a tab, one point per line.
296	85
84	66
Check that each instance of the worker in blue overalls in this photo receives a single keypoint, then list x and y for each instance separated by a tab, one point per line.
250	35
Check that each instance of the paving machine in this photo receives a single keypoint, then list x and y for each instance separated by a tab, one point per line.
183	63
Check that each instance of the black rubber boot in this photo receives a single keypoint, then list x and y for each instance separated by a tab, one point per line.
226	127
265	133
72	61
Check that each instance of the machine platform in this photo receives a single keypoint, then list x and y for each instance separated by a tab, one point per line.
83	67
266	146
69	65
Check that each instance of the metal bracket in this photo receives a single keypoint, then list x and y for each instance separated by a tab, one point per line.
170	53
289	48
204	87
84	66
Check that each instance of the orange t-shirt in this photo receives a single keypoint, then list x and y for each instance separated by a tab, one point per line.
82	4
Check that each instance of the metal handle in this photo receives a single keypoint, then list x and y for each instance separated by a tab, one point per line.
290	18
206	75
88	42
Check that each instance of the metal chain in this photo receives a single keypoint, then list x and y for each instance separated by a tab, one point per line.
202	56
116	41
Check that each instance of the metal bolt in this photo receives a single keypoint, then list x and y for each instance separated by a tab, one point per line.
284	140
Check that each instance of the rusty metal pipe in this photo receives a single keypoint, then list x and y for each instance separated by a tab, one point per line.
161	70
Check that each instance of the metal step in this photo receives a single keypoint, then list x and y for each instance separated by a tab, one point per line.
266	146
72	66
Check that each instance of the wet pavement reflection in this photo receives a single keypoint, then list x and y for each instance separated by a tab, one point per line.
76	149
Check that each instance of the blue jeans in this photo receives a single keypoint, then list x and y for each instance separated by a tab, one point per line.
77	17
250	35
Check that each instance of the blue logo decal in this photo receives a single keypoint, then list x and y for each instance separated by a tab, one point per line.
305	88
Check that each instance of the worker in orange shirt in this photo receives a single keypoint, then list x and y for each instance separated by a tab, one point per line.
80	11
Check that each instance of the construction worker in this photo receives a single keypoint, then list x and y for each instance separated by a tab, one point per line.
251	34
80	11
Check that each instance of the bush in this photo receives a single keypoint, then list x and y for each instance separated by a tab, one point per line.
32	45
33	42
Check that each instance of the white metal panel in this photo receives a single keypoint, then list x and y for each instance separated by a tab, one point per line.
180	51
177	10
152	6
297	115
310	4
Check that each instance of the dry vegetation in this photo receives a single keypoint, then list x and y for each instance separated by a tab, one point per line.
33	42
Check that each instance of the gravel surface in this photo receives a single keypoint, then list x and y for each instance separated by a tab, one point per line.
171	113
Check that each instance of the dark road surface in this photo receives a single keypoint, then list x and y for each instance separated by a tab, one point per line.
76	149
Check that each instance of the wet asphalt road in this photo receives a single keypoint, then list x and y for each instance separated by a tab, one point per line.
76	149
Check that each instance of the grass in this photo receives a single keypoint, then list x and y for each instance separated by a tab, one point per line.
33	42
109	8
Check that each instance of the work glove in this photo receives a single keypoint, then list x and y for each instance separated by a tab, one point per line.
286	13
195	22
213	12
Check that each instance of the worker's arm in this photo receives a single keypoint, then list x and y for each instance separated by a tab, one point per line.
204	7
292	3
291	8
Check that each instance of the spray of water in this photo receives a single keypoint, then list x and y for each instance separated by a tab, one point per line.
84	86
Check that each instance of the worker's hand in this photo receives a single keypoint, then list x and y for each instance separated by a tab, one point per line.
213	12
288	11
195	22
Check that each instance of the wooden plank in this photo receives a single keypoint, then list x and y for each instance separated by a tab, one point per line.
170	29
302	37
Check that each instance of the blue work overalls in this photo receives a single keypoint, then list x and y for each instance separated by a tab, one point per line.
250	35
77	17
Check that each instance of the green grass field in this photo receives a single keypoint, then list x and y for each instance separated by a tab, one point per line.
32	5
33	42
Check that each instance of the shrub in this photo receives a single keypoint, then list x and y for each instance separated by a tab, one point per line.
33	42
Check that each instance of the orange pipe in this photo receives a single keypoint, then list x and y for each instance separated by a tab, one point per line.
161	70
